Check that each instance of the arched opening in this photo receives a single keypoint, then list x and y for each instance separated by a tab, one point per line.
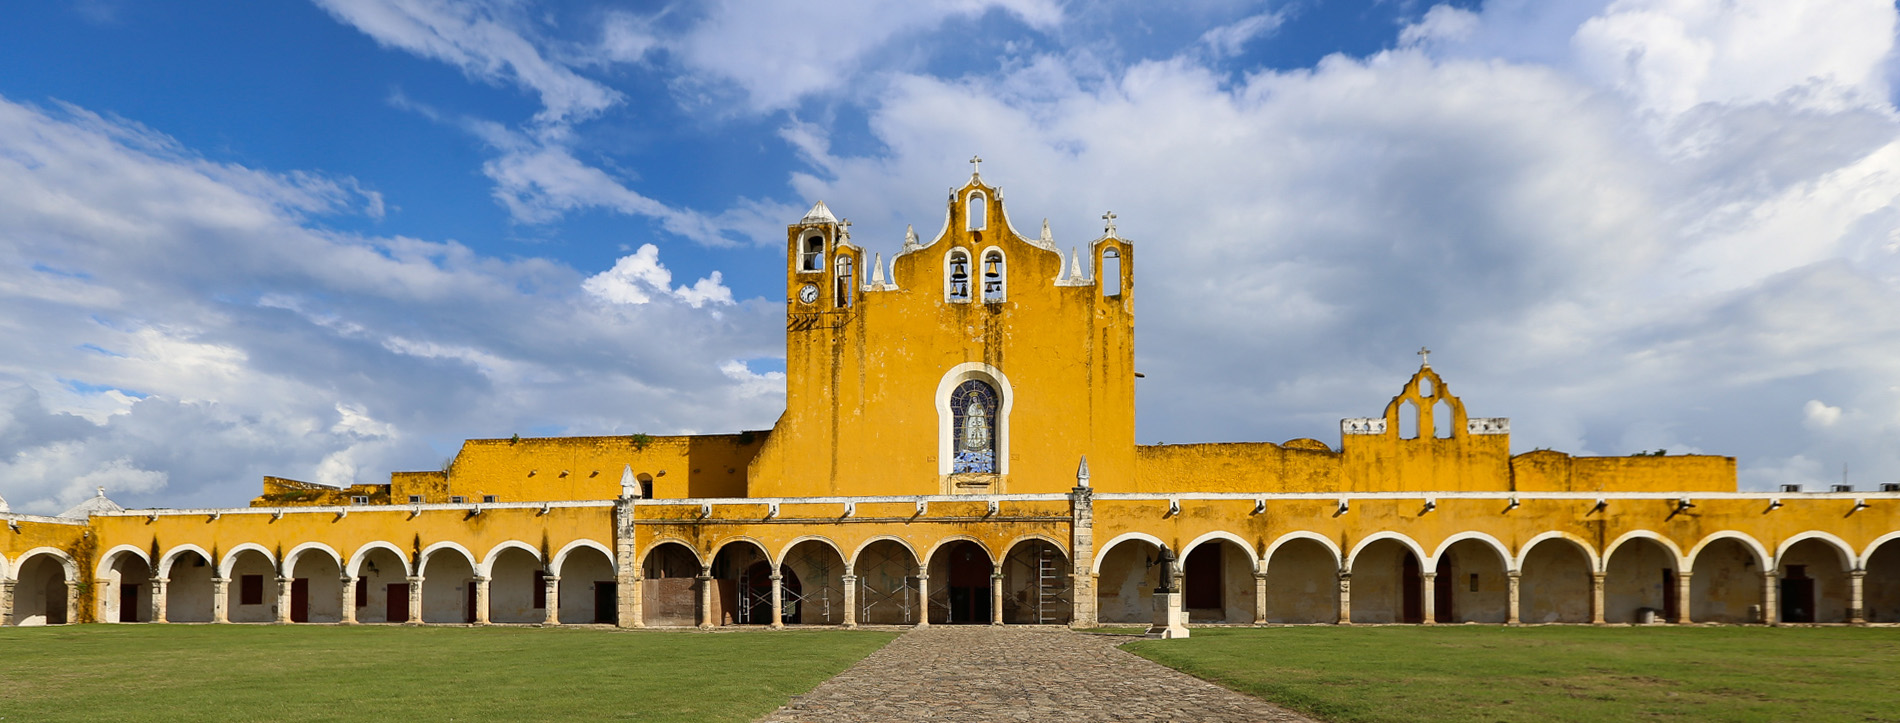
382	587
646	485
1554	584
669	590
1639	583
956	276
756	597
1408	420
730	581
251	596
448	587
1036	584
316	588
1217	583
887	589
517	587
812	586
973	409
42	591
1470	586
127	596
1302	583
1124	588
188	588
846	283
1725	586
589	592
1442	419
976	211
1110	277
1386	584
964	596
1880	589
1814	587
813	256
993	276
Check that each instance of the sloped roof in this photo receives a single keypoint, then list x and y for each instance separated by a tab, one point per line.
97	503
819	214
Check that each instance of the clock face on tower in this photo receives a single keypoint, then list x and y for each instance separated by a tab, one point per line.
808	294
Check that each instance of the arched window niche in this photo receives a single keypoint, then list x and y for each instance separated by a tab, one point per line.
812	257
973	405
1110	276
995	274
956	275
847	282
976	211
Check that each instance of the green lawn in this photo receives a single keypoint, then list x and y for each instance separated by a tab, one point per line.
1464	673
277	672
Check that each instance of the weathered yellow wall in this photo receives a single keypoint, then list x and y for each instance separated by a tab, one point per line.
587	468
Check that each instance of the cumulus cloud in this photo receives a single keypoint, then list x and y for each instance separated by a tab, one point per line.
1819	414
638	277
185	327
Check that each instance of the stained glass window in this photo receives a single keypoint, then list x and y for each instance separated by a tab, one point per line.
973	406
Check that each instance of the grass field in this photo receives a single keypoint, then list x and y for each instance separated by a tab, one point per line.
1464	673
279	672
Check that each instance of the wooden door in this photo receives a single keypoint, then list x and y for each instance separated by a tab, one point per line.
396	607
606	602
1412	606
474	601
969	584
129	603
1670	602
1203	584
1797	596
1442	597
300	600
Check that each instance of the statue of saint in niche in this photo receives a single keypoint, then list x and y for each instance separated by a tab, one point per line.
974	404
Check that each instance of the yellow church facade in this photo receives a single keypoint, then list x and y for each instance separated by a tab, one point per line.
958	447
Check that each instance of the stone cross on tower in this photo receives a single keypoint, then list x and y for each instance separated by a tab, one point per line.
844	229
1426	356
976	165
1110	219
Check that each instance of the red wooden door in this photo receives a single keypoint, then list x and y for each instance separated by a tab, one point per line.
1203	582
129	603
397	606
300	600
468	614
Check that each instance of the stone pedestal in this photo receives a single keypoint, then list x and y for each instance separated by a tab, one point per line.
283	600
1514	579
481	599
158	600
220	599
778	600
1168	616
850	599
415	600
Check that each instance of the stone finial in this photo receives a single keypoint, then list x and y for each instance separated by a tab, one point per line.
1047	239
1082	473
877	270
1425	358
976	165
1075	264
629	487
910	238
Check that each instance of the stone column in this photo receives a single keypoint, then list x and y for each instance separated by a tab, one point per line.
6	602
1770	609
103	600
72	604
348	599
1596	598
1345	598
1260	598
220	599
1856	612
923	598
158	600
1082	556
283	600
778	601
633	606
481	599
850	599
415	600
1428	594
631	603
551	589
1512	578
705	611
996	595
1683	602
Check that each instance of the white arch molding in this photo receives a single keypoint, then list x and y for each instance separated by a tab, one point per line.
428	553
1497	548
1846	552
1609	551
231	557
361	555
66	564
1872	547
1102	552
1266	558
296	555
786	551
488	563
953	539
946	420
170	558
560	558
858	553
1582	545
647	552
107	560
1753	546
1252	554
1424	560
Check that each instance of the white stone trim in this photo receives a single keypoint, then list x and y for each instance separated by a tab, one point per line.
646	553
231	556
1609	551
1753	545
296	554
713	554
1424	560
1252	554
1867	555
859	552
785	552
362	553
953	539
1582	545
1849	560
1102	552
66	563
1362	425
560	558
1266	558
428	553
170	558
946	420
1503	552
487	568
106	560
1487	425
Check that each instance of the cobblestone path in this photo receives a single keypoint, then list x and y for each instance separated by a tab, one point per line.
983	673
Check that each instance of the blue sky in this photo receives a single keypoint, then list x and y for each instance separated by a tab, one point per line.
328	240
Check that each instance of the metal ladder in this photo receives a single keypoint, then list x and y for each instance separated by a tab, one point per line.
1049	585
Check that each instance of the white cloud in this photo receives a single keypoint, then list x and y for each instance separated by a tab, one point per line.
1819	415
1232	38
637	277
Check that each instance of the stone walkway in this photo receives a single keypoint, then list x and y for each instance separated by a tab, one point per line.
983	673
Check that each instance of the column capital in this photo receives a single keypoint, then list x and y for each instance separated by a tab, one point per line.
924	578
775	577
1681	575
1513	574
480	578
415	578
701	578
1428	575
346	579
1260	575
849	578
283	580
1347	574
1856	574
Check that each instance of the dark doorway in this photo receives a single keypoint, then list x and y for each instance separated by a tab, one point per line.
606	602
1670	603
970	571
1797	595
1442	597
1203	583
474	601
396	606
1412	606
129	603
300	600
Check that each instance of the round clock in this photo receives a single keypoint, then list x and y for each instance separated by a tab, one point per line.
808	294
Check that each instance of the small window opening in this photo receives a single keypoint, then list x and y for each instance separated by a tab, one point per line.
251	590
1408	420
1111	276
814	257
415	499
977	211
1442	419
957	286
845	282
359	499
1474	582
992	276
457	499
491	498
646	485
